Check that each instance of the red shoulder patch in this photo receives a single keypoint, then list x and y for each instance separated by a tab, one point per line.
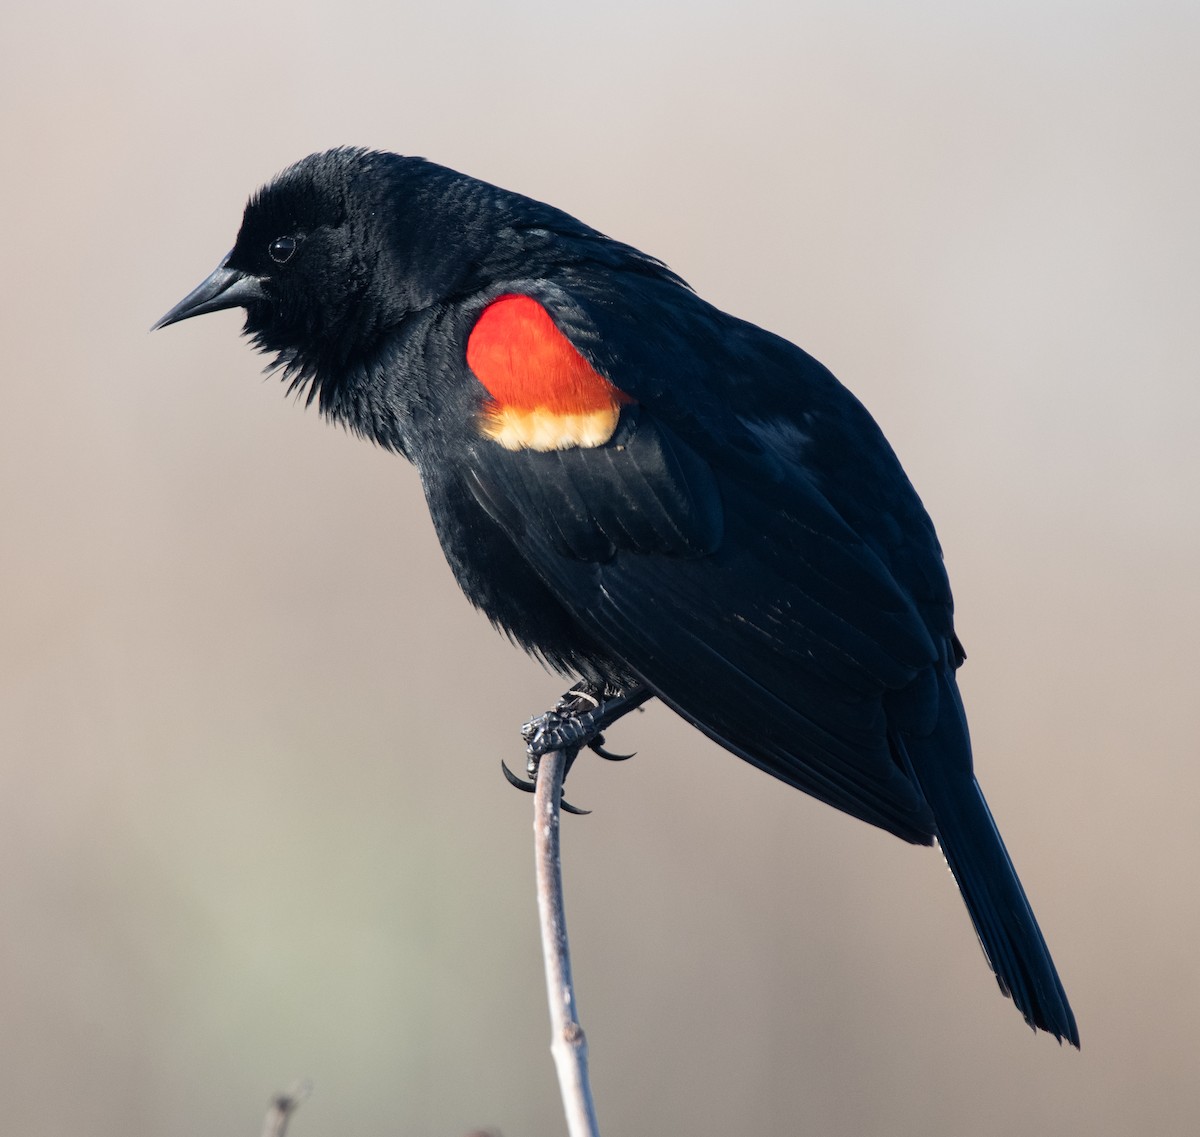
525	362
543	394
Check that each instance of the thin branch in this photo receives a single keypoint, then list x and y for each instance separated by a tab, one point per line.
283	1106
567	1042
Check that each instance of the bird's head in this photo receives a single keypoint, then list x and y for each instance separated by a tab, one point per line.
333	253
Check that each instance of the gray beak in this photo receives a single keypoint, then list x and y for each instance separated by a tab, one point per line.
225	287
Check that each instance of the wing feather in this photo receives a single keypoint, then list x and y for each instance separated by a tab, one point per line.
777	633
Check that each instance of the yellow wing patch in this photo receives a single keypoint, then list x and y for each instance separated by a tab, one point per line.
540	428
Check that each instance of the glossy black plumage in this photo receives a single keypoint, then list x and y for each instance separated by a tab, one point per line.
746	543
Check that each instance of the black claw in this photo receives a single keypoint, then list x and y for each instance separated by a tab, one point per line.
596	746
513	780
531	788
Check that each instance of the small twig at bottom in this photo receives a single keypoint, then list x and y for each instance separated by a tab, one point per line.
567	1042
283	1106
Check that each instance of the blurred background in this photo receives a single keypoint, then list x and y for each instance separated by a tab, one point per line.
252	823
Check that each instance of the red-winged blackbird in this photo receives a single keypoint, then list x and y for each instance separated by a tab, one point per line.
647	494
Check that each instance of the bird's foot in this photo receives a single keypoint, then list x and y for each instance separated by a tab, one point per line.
577	721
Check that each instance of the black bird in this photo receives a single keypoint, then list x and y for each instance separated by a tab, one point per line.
652	497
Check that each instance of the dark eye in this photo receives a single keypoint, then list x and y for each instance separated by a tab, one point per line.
282	249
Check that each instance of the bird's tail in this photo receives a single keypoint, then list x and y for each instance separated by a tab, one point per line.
1003	919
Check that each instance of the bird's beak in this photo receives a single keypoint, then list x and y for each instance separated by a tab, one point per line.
224	288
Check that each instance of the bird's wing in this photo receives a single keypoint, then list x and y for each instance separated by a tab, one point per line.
753	610
754	407
746	541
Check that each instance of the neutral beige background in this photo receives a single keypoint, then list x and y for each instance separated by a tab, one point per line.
252	824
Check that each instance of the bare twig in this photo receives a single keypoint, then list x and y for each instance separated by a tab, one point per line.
282	1107
567	1042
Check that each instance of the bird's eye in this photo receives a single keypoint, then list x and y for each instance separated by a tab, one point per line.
282	249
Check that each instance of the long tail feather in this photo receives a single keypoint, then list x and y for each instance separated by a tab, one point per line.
1003	919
